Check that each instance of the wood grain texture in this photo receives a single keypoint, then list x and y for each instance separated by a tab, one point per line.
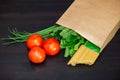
34	15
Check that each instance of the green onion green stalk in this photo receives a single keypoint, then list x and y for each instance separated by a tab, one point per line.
69	39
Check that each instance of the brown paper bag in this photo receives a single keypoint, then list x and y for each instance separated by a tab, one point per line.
95	20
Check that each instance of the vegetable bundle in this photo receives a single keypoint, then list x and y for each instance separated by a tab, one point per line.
69	39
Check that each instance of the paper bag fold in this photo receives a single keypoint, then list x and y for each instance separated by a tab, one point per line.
95	20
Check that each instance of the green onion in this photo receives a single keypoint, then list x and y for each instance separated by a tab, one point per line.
69	39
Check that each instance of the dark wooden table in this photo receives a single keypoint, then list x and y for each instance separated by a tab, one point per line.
34	15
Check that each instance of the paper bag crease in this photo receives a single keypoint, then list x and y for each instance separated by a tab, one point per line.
95	20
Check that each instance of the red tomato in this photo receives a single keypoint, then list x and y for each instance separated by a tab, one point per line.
34	40
51	46
36	55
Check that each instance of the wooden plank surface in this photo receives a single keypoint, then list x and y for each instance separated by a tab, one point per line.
34	15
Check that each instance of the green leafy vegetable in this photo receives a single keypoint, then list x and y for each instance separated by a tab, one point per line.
69	39
67	51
